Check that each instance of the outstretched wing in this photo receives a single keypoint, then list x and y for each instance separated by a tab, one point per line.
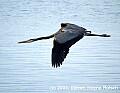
68	35
60	51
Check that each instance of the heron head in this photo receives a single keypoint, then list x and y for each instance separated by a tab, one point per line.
63	24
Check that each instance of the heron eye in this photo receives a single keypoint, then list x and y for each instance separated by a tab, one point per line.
63	25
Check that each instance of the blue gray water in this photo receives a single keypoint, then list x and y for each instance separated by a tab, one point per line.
93	64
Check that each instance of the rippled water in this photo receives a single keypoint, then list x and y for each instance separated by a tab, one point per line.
93	64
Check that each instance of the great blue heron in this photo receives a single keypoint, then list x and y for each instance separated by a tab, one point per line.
67	36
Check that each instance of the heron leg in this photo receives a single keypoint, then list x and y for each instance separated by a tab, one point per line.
103	35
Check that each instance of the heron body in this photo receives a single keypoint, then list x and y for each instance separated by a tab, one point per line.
69	32
64	38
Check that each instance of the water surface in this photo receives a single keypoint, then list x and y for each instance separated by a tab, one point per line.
92	62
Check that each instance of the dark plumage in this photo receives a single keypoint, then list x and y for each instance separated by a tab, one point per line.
67	36
60	51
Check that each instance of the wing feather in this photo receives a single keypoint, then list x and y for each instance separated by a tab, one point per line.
60	51
63	40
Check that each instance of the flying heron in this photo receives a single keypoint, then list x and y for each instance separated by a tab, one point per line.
64	38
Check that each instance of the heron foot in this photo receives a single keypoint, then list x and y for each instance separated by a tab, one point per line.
105	35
